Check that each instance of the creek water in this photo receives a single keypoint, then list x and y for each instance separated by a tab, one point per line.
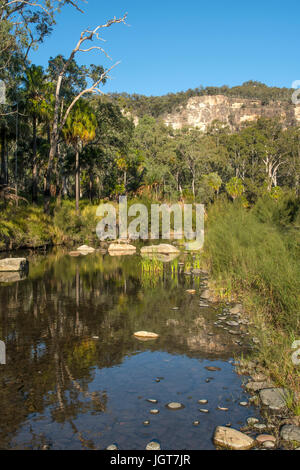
76	377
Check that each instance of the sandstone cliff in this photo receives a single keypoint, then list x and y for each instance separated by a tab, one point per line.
201	111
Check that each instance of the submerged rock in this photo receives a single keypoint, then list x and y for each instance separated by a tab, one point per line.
232	439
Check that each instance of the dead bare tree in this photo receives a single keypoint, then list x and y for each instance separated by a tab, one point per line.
60	118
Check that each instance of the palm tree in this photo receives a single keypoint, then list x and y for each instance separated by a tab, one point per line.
79	129
36	90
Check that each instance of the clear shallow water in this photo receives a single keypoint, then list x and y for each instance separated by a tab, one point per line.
76	378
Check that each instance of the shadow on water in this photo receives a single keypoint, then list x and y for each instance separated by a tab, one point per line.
76	377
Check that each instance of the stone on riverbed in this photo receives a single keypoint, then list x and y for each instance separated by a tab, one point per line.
13	264
232	439
274	398
290	432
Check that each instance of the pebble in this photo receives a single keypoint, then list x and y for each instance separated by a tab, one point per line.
150	400
252	421
202	402
244	403
175	406
269	445
260	427
146	423
213	369
203	410
196	423
265	438
222	409
154	412
153	446
112	447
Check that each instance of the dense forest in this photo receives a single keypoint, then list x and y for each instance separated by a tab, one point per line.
60	138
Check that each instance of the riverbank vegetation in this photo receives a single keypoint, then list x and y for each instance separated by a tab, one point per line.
253	255
64	148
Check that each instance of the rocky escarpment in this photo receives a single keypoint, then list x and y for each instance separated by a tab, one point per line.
201	111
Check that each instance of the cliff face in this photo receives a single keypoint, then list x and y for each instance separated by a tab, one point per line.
201	111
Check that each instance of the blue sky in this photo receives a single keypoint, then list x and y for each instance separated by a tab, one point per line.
173	45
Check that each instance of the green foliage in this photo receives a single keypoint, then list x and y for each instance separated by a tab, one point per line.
235	187
248	248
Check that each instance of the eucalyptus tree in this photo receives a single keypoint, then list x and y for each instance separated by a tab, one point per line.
96	74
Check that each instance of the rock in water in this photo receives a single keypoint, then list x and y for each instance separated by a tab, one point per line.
121	248
232	439
146	335
112	447
13	264
86	249
274	398
153	446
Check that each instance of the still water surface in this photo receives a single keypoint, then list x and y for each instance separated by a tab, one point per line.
76	378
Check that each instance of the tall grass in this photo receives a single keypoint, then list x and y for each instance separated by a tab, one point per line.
254	253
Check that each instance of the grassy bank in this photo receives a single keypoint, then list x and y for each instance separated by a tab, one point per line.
28	226
253	255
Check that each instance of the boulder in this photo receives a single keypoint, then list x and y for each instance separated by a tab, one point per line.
122	248
232	439
265	438
162	249
274	398
13	264
290	432
86	249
